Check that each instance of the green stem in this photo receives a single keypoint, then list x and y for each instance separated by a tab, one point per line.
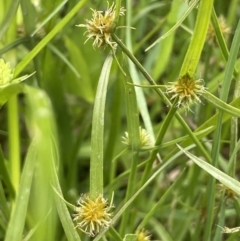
114	130
234	134
14	145
130	189
198	38
12	104
134	143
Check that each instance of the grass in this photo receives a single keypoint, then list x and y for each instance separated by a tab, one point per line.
171	67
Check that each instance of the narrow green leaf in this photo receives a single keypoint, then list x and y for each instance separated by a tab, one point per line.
17	221
220	39
230	64
198	38
96	163
233	154
221	104
213	171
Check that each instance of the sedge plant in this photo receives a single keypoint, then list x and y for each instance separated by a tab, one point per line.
119	120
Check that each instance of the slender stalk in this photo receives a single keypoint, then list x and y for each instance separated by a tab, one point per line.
234	133
12	114
134	144
14	143
130	189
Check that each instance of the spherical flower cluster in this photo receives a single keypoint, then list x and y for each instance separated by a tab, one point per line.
187	90
143	135
92	215
101	26
6	73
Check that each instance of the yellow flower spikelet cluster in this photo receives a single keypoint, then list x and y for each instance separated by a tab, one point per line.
101	26
92	215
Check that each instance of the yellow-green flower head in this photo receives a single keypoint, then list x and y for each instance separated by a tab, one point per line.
187	90
144	138
100	27
92	215
143	235
6	73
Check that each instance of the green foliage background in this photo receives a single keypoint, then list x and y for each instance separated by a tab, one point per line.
45	131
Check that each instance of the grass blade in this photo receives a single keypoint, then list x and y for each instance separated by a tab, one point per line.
17	221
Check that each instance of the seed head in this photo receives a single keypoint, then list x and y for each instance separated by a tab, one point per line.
187	90
101	26
92	215
144	138
143	235
6	73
